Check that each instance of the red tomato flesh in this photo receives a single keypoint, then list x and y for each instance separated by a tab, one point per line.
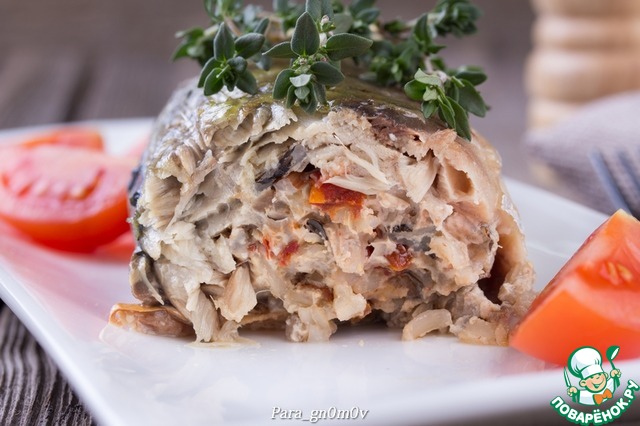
285	255
593	301
331	195
75	137
66	198
400	259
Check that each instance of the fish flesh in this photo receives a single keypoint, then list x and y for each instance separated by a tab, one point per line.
248	214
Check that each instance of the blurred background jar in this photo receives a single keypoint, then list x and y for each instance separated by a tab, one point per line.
583	50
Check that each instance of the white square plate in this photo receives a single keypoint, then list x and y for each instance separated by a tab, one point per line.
127	378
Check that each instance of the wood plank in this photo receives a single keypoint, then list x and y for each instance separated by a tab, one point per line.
38	88
32	390
125	86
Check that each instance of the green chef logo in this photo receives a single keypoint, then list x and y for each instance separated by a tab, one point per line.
595	386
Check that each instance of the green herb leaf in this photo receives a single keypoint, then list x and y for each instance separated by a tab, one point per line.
223	46
291	97
395	27
428	79
321	93
448	115
261	27
341	46
326	74
327	9
474	75
302	92
428	108
300	80
207	69
461	121
249	44
359	5
238	64
343	22
453	92
191	38
213	83
470	100
368	15
319	8
415	90
314	8
281	50
306	38
209	7
455	16
226	8
421	30
430	95
282	83
181	52
247	82
311	104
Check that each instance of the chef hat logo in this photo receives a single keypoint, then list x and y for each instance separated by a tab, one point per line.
585	362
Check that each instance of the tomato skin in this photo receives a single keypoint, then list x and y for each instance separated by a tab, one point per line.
594	300
63	197
75	137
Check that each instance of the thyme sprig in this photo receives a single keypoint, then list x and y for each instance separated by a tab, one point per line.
449	93
315	64
320	35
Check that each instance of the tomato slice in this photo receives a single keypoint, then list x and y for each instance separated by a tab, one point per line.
75	137
593	301
66	198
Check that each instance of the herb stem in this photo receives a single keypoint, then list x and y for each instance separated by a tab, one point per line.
427	64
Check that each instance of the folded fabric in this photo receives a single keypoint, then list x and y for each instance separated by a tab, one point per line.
610	125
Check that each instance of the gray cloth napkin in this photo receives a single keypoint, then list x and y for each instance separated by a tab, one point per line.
612	127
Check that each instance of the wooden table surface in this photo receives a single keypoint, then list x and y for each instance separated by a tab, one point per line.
69	60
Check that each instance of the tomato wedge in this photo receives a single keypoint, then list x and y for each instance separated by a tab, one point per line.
593	301
66	198
75	137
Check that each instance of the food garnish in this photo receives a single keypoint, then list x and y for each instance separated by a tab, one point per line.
594	300
320	36
75	137
62	191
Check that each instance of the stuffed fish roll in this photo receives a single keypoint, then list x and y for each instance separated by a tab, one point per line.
249	214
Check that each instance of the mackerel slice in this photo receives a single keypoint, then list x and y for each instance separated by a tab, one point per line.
251	215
